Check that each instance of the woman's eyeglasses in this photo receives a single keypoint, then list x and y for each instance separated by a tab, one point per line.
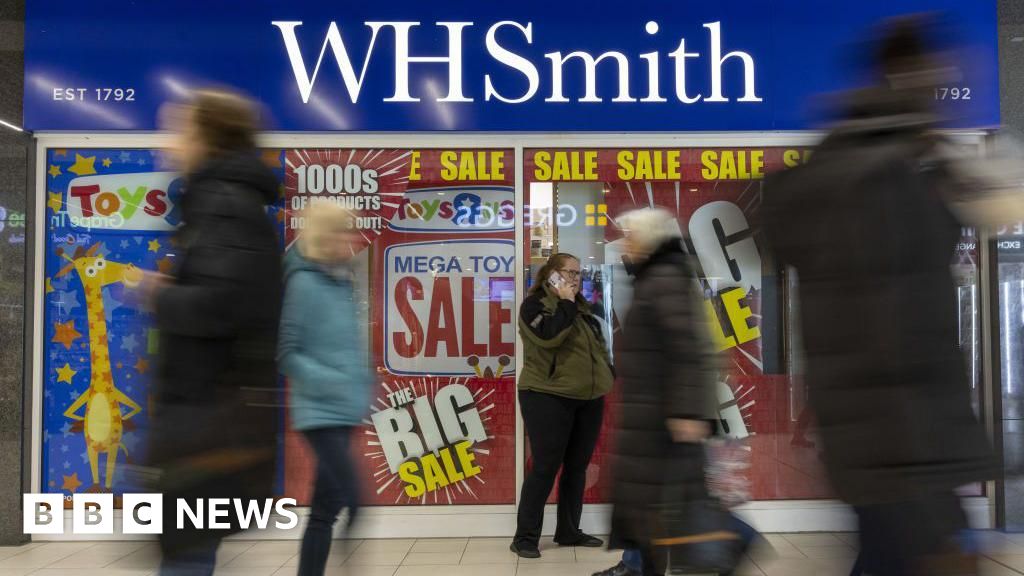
570	274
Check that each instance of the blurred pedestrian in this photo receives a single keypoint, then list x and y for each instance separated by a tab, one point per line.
867	226
567	371
214	422
668	400
322	354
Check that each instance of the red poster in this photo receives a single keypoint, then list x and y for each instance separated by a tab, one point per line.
438	253
715	194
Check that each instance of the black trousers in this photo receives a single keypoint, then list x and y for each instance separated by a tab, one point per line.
563	433
896	537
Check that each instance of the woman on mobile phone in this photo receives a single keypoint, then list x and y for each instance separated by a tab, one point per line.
566	373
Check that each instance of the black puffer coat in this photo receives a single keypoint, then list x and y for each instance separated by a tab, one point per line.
667	369
214	422
867	229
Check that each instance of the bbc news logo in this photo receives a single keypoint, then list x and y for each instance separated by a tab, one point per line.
144	513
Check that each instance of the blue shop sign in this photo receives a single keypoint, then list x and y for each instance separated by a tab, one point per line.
408	65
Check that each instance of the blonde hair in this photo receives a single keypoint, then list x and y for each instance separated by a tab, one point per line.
322	218
649	228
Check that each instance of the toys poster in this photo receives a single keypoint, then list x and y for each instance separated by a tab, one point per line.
110	215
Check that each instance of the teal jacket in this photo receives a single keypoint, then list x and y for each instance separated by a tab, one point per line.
320	348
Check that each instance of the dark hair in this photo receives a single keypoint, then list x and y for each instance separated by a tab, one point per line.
554	263
908	44
226	121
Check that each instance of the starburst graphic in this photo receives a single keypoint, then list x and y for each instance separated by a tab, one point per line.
736	407
684	199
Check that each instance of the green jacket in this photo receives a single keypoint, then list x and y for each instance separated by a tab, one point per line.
564	349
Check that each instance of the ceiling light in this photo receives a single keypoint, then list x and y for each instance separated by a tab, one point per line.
11	126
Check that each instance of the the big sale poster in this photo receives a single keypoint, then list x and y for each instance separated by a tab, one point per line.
437	264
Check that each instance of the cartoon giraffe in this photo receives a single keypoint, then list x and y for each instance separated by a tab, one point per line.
103	423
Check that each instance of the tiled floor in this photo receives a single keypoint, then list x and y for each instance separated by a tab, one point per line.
780	555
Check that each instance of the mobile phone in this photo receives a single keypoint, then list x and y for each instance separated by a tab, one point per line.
556	280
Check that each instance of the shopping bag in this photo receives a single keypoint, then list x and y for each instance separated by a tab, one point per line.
694	531
698	537
727	470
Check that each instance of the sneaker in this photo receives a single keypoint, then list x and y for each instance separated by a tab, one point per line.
619	569
525	550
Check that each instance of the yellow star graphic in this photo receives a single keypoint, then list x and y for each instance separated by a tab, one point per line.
154	245
49	286
65	374
54	170
107	162
55	201
83	166
71	483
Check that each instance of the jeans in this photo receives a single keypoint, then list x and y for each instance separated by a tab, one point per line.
633	560
336	488
563	433
198	561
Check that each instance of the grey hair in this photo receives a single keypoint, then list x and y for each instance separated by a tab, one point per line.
649	228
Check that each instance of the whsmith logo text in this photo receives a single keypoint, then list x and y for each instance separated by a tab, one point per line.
705	59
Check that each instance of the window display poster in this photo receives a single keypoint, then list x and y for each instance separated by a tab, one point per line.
436	236
110	215
715	194
442	425
437	278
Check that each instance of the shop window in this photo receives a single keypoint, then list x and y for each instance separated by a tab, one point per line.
435	282
575	195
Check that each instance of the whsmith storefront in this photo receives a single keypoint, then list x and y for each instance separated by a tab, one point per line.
475	139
